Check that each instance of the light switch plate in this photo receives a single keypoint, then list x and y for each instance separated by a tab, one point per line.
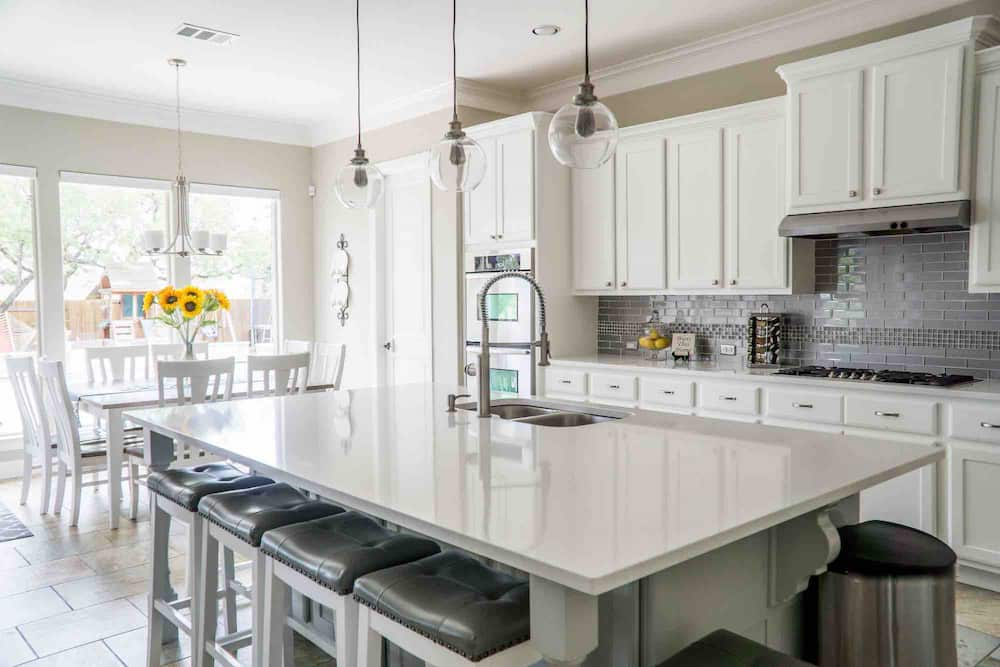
727	350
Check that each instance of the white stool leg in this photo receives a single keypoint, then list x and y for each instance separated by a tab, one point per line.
346	620
208	598
257	602
229	574
277	607
160	524
369	641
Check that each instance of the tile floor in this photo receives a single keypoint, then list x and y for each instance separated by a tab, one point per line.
75	597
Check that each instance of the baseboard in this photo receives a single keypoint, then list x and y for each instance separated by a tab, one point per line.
980	576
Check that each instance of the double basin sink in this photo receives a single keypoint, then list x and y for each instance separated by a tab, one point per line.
546	413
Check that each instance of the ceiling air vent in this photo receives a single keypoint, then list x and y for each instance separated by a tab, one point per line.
203	34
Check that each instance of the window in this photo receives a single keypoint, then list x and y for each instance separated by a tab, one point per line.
246	272
104	268
18	294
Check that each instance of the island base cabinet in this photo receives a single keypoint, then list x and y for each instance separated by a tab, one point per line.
975	500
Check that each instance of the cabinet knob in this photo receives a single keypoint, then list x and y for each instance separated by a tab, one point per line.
624	284
852	193
876	191
733	281
493	236
715	282
609	284
499	236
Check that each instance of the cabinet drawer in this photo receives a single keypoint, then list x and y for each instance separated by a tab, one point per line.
888	413
560	381
728	398
817	407
666	392
976	421
615	387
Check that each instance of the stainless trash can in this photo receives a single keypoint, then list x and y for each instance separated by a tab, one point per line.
888	600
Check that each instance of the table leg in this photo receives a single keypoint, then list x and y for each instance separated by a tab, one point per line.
159	453
116	438
563	622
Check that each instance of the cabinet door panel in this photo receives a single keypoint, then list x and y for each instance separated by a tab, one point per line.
824	156
916	110
640	191
481	203
594	227
694	210
984	242
975	495
756	257
516	173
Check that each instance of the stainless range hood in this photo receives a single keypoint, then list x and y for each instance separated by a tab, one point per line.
914	219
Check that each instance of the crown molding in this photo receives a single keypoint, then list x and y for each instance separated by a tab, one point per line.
54	99
829	21
429	100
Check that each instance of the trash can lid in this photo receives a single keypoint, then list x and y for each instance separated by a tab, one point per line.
881	548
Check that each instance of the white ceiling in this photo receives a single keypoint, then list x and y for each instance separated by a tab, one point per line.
293	64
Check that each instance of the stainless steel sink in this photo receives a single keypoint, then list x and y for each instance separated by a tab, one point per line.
548	413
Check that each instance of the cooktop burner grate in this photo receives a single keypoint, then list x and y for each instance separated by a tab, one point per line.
871	375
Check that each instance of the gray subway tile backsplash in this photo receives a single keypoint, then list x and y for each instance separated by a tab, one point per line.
890	302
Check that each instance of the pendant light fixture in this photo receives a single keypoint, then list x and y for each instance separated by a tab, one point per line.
359	184
584	133
184	242
457	163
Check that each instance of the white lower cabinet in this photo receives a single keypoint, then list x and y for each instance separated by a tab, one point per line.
738	399
975	421
890	413
670	394
562	382
974	471
613	387
810	407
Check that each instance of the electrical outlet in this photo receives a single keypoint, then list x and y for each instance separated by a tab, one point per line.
727	350
631	345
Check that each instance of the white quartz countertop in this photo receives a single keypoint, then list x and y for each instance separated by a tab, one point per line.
730	368
591	508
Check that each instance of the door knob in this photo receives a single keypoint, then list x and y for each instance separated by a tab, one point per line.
470	370
388	345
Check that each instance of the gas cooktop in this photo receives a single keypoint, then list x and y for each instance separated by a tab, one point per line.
897	377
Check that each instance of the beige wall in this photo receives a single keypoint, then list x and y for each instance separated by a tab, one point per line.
332	220
757	80
54	142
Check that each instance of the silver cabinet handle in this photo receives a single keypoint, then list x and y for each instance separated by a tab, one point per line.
565	382
989	425
614	386
876	191
879	413
728	398
668	392
852	193
807	406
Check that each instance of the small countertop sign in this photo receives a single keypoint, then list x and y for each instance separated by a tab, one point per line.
683	345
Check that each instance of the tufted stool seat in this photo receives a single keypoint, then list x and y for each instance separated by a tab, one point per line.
175	494
726	649
187	486
452	600
248	514
322	559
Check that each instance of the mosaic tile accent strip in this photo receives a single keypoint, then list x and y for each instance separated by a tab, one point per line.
891	302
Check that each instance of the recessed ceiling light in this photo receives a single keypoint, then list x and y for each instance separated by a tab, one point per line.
545	30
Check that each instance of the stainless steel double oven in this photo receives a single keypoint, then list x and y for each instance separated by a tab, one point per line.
510	305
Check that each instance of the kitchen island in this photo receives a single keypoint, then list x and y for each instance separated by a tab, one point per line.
638	534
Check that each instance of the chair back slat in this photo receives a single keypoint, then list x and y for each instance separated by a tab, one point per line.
30	404
60	408
116	363
327	365
280	367
192	380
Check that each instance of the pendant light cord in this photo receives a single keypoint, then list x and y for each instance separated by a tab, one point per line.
177	91
357	34
454	61
586	40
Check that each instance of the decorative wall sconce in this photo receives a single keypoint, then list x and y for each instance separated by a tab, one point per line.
341	273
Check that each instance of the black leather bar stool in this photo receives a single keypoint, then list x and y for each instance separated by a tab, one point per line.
175	494
322	559
447	609
238	521
726	649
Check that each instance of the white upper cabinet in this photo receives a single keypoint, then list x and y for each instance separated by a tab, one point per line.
824	157
984	240
594	227
756	257
916	107
639	212
502	207
694	209
884	124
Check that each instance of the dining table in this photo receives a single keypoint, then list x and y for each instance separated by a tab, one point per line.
106	402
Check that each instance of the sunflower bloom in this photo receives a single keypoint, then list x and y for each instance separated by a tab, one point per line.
221	297
168	298
192	292
191	305
148	301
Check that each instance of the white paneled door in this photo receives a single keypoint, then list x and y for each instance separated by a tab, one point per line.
405	238
640	198
594	227
694	209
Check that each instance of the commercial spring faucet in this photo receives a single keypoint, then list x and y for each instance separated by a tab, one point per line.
484	351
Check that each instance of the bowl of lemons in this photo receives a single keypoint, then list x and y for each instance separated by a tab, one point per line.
655	340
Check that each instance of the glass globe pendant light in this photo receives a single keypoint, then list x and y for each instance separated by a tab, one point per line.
457	163
359	184
584	133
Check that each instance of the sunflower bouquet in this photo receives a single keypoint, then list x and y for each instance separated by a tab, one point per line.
187	310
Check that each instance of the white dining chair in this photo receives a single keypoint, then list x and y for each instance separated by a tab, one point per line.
35	432
279	374
327	364
116	363
77	456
